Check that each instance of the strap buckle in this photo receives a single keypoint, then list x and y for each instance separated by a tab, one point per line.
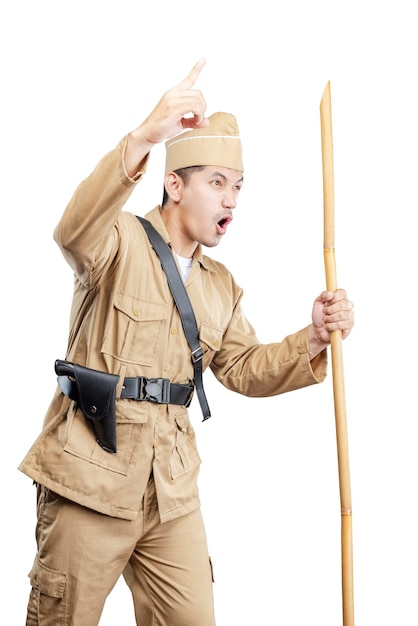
197	354
155	390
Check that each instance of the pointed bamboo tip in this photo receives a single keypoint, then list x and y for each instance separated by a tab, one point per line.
326	94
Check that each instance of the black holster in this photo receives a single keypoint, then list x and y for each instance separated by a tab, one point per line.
95	393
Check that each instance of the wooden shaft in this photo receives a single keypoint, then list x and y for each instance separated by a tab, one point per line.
347	569
337	363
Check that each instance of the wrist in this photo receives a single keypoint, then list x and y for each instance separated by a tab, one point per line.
315	344
135	154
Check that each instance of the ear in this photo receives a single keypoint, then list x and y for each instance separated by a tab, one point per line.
174	186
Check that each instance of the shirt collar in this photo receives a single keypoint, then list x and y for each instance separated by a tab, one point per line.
156	220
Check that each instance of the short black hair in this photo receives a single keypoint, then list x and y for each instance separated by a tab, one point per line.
184	173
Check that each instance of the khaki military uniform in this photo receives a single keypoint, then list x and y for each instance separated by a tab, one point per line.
124	321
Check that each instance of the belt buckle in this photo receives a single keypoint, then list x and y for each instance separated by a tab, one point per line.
156	390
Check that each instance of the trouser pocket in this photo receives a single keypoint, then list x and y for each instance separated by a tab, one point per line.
47	601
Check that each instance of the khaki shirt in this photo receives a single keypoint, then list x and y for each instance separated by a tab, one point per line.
124	321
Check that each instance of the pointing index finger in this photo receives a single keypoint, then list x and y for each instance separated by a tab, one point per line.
192	77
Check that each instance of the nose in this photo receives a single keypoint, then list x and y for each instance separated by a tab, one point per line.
229	200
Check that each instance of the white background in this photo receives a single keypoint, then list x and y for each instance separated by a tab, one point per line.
75	78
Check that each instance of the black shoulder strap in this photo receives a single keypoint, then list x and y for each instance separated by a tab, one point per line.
185	308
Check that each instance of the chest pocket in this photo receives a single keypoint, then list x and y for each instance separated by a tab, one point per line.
210	340
134	330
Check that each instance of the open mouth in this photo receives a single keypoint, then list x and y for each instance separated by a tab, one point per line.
223	224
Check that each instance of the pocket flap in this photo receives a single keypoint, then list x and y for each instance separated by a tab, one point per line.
48	581
140	310
211	336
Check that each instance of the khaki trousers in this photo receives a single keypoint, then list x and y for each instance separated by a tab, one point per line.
82	553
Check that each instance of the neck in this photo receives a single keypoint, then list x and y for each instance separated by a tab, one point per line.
180	242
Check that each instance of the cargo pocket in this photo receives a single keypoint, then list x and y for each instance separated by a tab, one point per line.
134	330
81	441
47	602
185	456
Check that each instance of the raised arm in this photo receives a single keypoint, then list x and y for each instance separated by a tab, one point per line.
167	119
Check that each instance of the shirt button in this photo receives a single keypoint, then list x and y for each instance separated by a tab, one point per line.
174	331
137	312
167	368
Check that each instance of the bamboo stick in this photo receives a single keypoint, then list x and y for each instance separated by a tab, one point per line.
337	362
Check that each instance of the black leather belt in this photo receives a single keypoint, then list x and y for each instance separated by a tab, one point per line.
140	388
95	393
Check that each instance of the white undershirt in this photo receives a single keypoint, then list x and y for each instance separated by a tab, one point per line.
185	266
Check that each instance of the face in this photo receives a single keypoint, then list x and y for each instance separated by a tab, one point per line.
206	204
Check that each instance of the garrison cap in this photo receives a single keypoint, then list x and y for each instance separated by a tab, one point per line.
217	144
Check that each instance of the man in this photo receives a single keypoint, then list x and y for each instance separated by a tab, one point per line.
130	505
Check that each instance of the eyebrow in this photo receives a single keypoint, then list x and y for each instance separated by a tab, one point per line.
216	173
